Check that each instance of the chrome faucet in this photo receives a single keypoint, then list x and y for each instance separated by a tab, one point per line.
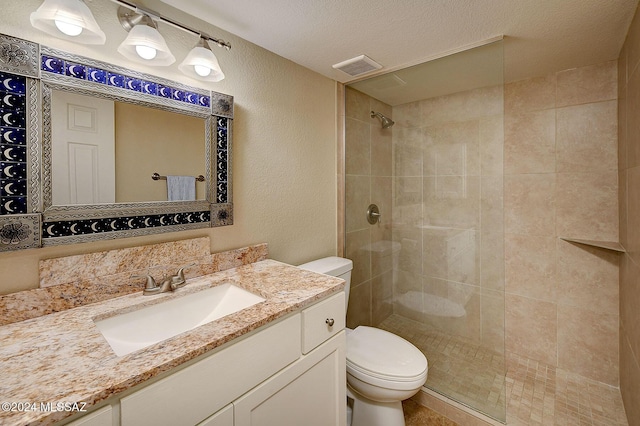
169	283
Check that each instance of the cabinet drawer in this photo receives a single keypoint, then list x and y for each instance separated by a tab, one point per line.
316	319
192	394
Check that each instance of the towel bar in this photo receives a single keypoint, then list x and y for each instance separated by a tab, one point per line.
157	176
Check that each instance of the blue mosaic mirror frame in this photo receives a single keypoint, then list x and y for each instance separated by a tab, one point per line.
27	217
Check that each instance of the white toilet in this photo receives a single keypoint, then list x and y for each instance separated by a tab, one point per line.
382	369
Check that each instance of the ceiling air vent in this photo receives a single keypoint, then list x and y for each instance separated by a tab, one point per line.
359	65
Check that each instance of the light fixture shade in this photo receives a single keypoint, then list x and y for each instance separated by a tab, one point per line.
202	59
144	35
72	14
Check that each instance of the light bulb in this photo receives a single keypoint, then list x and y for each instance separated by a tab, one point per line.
68	29
146	52
202	70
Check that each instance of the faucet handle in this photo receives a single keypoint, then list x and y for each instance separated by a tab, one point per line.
180	273
178	280
189	265
150	284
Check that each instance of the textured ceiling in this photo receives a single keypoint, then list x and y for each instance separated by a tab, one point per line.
541	36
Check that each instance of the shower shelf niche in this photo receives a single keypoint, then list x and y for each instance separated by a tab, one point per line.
608	245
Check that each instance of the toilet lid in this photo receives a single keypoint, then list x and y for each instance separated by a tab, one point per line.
384	355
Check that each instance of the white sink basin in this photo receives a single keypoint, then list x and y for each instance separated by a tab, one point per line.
135	330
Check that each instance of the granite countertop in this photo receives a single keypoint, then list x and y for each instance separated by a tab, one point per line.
63	358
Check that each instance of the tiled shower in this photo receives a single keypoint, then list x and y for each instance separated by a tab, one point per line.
478	190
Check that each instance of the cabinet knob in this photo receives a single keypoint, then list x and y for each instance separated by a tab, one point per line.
330	322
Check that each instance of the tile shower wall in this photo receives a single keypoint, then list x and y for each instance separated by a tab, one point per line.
368	167
448	216
561	180
629	202
559	174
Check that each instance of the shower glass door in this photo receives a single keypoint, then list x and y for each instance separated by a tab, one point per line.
431	268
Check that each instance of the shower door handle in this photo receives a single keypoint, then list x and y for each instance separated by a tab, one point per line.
373	214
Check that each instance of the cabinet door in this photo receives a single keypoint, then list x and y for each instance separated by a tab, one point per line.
310	392
223	417
101	417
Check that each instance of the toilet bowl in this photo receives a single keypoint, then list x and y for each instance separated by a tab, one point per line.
382	369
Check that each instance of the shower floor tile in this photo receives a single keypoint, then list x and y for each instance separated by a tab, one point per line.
533	393
538	394
461	370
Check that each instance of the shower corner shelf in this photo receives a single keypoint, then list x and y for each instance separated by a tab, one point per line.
608	245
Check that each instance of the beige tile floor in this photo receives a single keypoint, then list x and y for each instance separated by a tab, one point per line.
533	393
417	415
538	394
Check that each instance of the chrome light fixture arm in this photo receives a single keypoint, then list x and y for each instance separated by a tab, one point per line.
131	21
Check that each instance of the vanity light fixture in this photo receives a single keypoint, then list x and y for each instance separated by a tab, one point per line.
69	20
144	43
201	63
72	20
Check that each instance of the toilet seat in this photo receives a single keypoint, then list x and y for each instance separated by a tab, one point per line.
384	359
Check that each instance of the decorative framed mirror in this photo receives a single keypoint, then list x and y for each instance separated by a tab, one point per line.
93	151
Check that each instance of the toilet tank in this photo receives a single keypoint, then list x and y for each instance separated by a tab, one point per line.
334	266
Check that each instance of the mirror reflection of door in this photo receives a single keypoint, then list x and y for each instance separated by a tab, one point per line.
83	144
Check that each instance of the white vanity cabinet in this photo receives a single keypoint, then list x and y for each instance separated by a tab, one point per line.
310	392
288	373
100	417
223	417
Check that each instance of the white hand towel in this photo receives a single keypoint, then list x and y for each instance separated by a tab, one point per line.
181	188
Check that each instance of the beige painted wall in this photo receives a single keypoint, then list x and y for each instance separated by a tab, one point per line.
284	152
629	202
150	140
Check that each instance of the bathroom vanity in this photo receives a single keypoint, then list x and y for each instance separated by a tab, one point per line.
280	361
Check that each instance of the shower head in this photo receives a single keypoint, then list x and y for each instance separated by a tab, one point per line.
386	121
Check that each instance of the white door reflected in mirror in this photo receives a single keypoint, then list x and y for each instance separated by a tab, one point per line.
83	149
